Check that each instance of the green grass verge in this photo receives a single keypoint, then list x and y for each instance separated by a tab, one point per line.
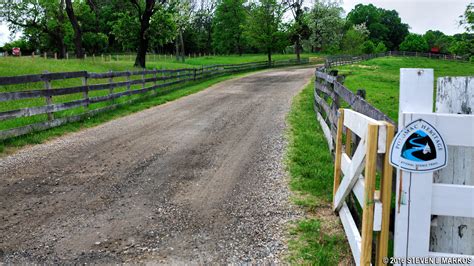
380	77
12	66
317	240
9	145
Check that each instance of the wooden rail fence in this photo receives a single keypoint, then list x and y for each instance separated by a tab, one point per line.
60	105
340	60
375	139
329	96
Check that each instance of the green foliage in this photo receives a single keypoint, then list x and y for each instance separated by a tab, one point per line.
467	19
126	28
414	43
381	48
326	25
265	28
380	77
229	21
354	39
23	44
460	47
383	25
95	42
368	47
438	39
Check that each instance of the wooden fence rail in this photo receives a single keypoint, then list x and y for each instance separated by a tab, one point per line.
340	60
19	104
329	96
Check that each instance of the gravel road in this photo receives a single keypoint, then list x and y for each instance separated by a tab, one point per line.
199	180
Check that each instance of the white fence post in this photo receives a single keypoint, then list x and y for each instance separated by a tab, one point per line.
412	221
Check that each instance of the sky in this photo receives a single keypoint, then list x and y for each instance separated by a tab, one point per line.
421	15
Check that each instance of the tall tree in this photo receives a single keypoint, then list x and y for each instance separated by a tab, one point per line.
326	25
299	27
183	12
229	21
77	29
265	27
202	25
144	12
383	25
42	20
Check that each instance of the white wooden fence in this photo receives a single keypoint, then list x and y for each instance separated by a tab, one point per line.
435	211
375	138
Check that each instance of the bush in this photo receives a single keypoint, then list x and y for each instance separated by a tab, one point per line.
368	47
381	48
414	43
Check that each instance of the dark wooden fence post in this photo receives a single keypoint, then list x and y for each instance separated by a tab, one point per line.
129	73
155	77
49	98
111	89
143	79
85	93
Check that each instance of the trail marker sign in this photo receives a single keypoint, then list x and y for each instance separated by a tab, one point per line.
418	148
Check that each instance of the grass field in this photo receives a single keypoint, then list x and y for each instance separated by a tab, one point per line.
380	77
317	239
12	66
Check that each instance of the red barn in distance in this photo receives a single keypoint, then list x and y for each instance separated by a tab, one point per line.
435	50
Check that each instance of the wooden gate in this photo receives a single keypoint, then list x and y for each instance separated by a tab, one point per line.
359	177
435	210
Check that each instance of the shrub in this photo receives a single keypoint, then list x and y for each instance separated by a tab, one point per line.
414	43
381	48
368	47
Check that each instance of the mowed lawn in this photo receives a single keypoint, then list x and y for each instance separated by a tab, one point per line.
12	66
380	77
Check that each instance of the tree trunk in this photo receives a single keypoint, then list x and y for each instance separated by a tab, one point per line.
60	31
298	48
182	45
177	49
269	54
77	29
140	60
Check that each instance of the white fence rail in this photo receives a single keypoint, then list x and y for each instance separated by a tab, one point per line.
359	177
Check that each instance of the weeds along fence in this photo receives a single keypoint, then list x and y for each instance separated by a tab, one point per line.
37	102
340	60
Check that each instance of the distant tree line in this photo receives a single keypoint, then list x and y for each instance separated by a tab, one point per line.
184	27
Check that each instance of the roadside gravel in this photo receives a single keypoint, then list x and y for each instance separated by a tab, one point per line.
197	180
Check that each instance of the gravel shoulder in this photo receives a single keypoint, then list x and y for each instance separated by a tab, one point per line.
199	179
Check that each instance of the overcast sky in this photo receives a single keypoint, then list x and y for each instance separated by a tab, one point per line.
421	15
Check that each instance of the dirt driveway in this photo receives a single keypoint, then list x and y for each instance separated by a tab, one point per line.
197	180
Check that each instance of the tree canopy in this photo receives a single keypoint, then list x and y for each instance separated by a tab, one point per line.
184	27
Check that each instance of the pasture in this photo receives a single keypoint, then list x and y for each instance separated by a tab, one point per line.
380	77
12	66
